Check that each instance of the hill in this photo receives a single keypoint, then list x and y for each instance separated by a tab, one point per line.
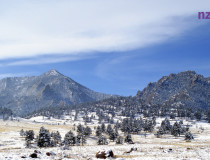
185	88
24	95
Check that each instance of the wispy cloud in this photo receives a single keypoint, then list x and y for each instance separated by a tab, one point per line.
14	75
37	28
45	60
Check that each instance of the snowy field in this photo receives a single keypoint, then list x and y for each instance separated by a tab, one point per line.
12	145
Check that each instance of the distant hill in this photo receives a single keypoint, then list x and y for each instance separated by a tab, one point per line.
24	95
185	88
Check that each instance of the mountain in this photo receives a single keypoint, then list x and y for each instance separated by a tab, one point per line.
185	88
186	94
26	94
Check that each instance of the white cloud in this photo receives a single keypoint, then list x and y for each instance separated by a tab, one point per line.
51	27
45	60
13	75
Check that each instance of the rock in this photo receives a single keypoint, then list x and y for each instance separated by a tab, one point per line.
34	155
50	153
37	151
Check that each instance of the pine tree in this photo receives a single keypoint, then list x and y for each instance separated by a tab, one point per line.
53	143
148	125
29	135
28	143
112	120
109	129
102	140
81	139
44	139
153	121
87	131
80	129
98	131
208	115
119	140
160	132
22	133
166	126
116	131
188	136
125	127
69	139
56	137
112	135
176	129
76	115
128	139
103	128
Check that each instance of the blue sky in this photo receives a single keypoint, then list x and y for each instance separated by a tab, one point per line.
112	47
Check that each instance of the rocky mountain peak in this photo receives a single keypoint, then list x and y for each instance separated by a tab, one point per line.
188	87
187	73
52	72
26	94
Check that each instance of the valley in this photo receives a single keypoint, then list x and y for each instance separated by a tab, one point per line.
53	117
148	147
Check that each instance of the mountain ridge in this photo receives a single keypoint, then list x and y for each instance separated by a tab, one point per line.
188	88
30	93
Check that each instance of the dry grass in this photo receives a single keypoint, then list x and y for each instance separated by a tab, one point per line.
17	126
149	147
127	156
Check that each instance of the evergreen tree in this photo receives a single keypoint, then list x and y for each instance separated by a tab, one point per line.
44	139
126	127
69	139
148	125
176	129
28	143
22	133
111	120
117	125
160	132
119	140
153	121
53	143
172	116
102	140
109	129
198	115
56	137
188	136
81	139
136	126
166	126
208	116
80	129
103	128
113	135
87	131
116	131
98	131
128	139
76	115
29	135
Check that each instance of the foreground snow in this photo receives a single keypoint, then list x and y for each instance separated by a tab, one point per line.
12	145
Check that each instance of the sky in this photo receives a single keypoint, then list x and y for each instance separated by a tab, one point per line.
109	46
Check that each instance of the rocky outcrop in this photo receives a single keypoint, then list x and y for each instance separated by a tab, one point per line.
186	88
